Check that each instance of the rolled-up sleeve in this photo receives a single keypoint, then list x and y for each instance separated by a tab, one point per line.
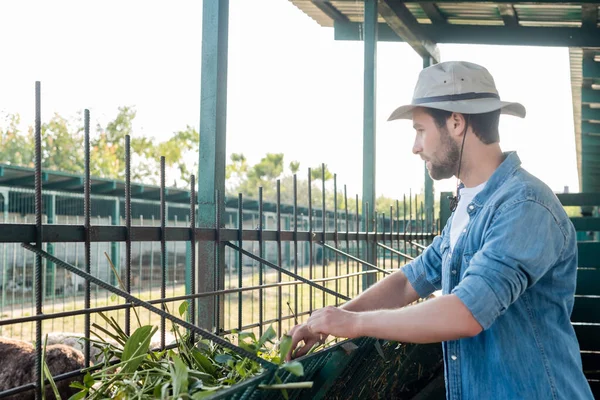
512	259
425	272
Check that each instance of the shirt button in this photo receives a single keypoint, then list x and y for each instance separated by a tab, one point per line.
471	207
464	230
453	272
453	357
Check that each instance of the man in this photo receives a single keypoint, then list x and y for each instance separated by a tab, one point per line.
506	261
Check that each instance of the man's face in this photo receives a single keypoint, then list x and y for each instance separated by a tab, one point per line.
435	146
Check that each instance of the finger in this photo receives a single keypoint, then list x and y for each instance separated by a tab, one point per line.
297	335
305	349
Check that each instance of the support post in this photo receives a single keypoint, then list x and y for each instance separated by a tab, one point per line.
369	132
429	195
211	174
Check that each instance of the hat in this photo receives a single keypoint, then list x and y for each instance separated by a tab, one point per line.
457	86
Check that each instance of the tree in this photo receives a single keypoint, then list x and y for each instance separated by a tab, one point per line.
15	148
63	148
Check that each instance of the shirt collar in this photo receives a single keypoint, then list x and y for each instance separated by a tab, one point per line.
507	168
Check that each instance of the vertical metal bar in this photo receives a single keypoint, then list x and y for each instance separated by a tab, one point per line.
422	222
279	259
240	259
417	223
324	222
356	265
219	260
128	226
369	124
87	211
404	222
367	279
260	265
193	202
410	225
391	236
140	261
375	239
347	242
335	235
295	242
212	154
115	253
310	243
163	249
38	240
50	267
398	228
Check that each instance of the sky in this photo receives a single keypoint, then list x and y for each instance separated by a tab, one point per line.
291	87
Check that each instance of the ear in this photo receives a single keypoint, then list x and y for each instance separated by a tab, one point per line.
456	124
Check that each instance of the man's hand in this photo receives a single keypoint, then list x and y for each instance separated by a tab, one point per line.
322	323
334	321
301	333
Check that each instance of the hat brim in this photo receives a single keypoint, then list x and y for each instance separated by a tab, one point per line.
479	106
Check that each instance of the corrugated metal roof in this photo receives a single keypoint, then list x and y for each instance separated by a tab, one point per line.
581	17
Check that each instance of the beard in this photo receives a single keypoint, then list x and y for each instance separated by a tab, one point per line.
446	165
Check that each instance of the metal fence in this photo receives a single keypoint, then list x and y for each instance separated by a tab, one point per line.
278	267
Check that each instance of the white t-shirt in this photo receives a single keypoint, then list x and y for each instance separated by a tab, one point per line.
461	217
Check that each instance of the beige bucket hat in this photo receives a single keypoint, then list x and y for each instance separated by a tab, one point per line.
457	86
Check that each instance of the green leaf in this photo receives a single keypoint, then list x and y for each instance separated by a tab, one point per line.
79	395
183	307
77	385
204	362
285	345
245	335
294	367
223	358
283	391
88	380
136	346
179	377
251	347
268	336
113	297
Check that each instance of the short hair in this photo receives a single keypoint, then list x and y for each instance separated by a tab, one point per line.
485	126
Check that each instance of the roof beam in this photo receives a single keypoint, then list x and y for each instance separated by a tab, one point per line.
589	16
591	68
589	95
330	10
406	26
509	15
433	13
590	114
65	184
494	35
588	127
105	187
24	181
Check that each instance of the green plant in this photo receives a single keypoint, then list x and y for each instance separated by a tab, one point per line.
190	370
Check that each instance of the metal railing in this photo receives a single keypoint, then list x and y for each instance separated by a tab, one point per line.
271	292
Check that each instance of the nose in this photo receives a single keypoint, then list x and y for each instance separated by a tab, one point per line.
417	145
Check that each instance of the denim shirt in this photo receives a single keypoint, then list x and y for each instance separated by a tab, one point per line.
514	267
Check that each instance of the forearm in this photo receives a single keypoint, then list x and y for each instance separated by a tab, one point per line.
393	292
440	319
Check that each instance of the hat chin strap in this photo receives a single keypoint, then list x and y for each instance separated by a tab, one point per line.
455	199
